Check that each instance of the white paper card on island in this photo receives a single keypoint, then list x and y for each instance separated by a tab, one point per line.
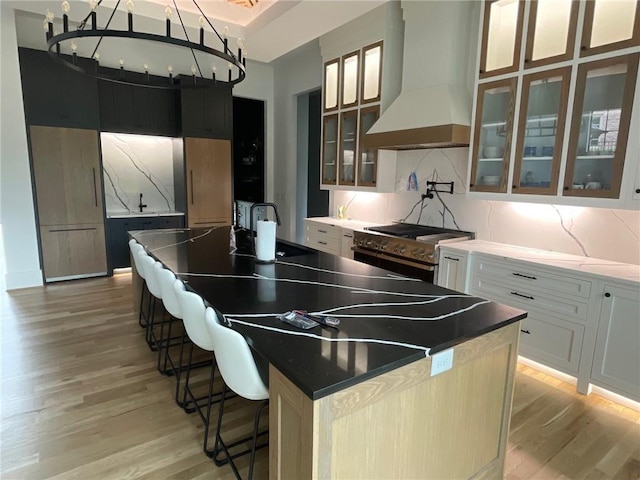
266	241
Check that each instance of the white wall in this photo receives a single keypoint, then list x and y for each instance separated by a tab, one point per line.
295	73
594	232
16	200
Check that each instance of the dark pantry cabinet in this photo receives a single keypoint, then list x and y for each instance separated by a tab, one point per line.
207	112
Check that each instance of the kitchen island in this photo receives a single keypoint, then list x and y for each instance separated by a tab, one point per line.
363	400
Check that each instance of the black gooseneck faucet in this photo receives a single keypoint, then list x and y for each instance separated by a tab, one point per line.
275	209
141	205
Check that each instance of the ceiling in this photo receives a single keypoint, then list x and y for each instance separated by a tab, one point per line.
270	29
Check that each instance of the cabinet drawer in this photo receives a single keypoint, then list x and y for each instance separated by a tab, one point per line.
323	232
528	299
551	341
347	243
515	274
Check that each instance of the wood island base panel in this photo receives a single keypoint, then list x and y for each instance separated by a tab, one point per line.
363	400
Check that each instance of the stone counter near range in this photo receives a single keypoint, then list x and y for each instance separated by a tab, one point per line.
360	401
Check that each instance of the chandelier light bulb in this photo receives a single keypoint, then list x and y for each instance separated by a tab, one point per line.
74	47
66	8
45	24
193	69
146	67
96	56
225	32
214	69
170	68
121	62
168	12
240	42
230	65
130	6
93	4
49	16
201	21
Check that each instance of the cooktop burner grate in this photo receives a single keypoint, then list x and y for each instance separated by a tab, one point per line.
407	230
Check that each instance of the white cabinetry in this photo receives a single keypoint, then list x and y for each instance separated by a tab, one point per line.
331	235
452	270
347	243
616	362
558	307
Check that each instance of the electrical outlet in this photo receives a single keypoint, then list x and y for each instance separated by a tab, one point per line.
441	361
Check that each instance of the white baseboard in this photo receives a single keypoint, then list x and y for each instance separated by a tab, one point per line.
16	280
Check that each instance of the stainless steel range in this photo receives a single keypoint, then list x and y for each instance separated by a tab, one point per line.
405	248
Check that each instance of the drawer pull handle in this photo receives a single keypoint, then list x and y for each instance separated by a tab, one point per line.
530	277
523	296
452	258
71	230
322	231
322	243
526	331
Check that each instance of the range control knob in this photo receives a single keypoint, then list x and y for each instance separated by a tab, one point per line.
383	245
402	250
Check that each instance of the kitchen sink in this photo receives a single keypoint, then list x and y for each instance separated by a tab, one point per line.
286	249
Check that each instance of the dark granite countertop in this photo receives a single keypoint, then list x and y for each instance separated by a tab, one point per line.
386	320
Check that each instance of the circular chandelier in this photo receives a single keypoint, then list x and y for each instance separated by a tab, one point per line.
88	30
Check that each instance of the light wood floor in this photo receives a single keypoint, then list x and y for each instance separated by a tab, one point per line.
81	398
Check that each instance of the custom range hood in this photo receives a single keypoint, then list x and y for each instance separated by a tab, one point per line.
433	109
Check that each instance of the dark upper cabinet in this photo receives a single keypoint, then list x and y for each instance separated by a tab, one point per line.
132	109
55	95
207	112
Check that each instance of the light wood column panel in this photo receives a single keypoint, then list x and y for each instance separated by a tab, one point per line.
66	165
403	424
209	181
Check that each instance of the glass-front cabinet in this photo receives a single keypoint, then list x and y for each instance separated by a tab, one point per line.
350	79
371	73
551	32
348	144
368	157
542	117
493	136
501	37
329	149
610	25
331	85
600	127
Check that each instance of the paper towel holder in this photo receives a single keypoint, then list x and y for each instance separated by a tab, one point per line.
275	209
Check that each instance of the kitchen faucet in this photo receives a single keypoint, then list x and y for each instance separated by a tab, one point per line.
141	205
275	209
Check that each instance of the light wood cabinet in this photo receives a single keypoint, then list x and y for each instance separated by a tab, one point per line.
600	127
73	251
68	186
208	178
610	26
501	34
66	168
616	363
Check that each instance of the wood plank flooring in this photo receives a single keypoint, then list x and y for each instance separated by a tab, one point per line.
82	399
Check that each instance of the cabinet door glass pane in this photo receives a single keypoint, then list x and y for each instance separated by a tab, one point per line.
602	126
331	76
495	128
371	81
553	18
368	156
613	21
330	149
501	40
350	79
348	145
540	132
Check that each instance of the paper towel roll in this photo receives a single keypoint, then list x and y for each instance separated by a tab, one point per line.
266	241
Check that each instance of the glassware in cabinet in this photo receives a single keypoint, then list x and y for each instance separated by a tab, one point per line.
610	25
371	73
350	79
329	149
493	135
600	127
331	85
501	34
368	157
348	137
543	110
551	32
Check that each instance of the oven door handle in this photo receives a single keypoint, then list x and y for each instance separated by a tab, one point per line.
384	256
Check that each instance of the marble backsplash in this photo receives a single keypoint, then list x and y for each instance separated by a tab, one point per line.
594	232
135	164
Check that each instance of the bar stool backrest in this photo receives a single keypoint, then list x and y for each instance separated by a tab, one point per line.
192	307
136	248
234	359
147	263
166	279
